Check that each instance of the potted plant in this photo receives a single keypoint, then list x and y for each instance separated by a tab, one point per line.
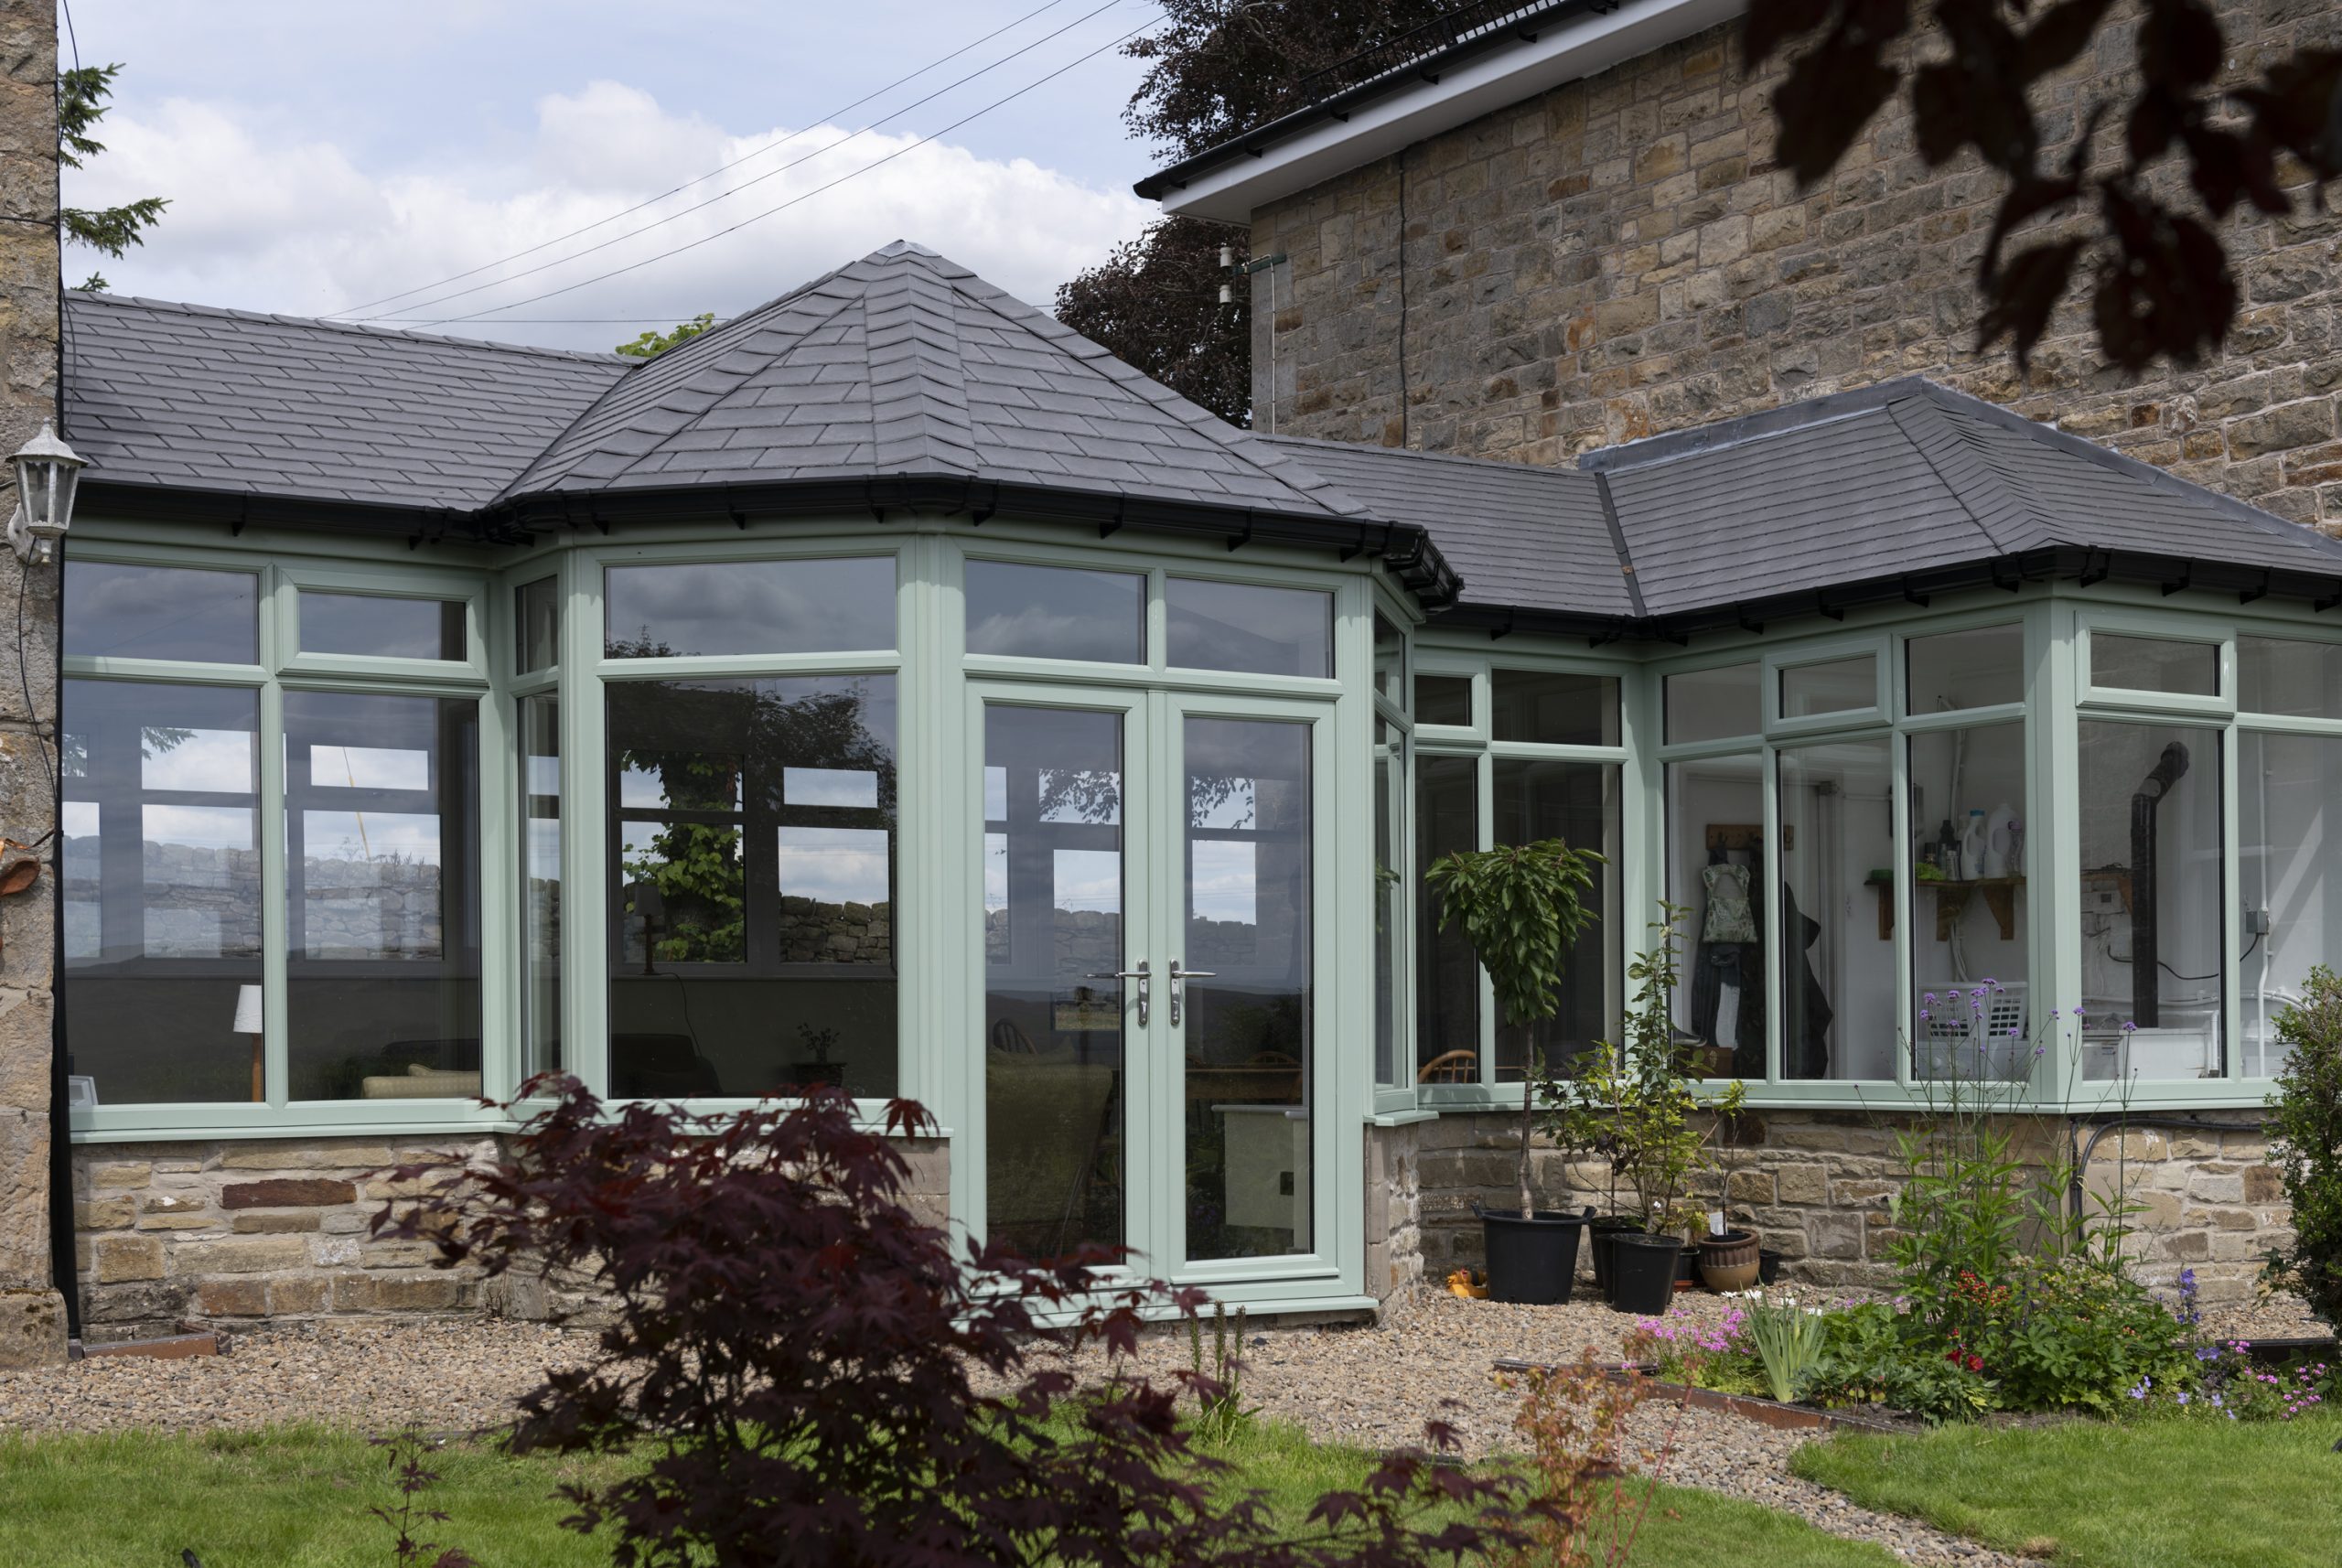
1521	908
1658	1144
1583	1120
1728	1260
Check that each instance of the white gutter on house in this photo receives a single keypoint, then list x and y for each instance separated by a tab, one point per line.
1416	108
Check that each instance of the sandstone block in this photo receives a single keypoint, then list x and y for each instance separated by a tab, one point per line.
287	1192
274	1222
299	1293
32	1329
239	1255
116	1259
1803	1184
113	1212
231	1298
300	1157
120	1173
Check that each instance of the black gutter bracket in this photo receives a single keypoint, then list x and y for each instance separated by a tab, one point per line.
1108	529
2186	580
1496	633
1242	539
2247	596
2319	606
1912	595
2093	575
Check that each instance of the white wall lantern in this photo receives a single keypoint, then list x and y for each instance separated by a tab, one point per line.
48	472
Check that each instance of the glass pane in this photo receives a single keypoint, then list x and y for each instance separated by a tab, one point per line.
2290	879
1443	700
1837	863
1965	669
1247	880
383	627
1715	869
1713	705
1054	1011
1390	660
2279	675
1833	686
1056	612
536	617
1448	977
160	858
2154	664
2151	901
381	848
541	885
161	612
751	606
1972	1009
1576	803
1236	626
1389	909
752	828
1559	710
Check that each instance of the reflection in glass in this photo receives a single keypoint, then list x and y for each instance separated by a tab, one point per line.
541	885
1832	686
1239	625
380	626
2281	675
161	612
381	848
826	606
2150	902
2154	664
1053	1011
1713	705
752	845
2288	821
1390	660
1554	709
1715	869
1056	612
1576	803
1838	999
1448	977
161	890
536	619
1979	669
1247	1029
1970	935
1443	700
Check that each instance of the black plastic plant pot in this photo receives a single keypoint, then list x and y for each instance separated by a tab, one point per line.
1531	1261
1642	1271
1597	1242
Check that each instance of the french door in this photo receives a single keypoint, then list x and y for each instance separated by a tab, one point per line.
1152	942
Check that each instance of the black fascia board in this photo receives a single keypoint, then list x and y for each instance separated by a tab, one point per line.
240	510
1257	141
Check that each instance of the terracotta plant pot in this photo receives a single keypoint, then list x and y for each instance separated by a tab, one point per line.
1729	1262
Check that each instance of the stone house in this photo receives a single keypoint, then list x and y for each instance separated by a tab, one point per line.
889	689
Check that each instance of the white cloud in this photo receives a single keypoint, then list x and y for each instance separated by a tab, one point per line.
265	219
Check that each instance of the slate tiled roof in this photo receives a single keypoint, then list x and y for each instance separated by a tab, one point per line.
1535	538
191	397
906	363
904	369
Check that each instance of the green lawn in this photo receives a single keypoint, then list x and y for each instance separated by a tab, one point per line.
2149	1494
296	1498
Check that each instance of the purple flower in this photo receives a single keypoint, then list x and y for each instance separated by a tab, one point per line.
2129	1028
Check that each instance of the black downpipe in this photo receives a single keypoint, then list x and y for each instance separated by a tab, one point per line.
63	1267
2147	995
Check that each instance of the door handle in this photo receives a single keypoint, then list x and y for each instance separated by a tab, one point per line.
1179	991
1145	979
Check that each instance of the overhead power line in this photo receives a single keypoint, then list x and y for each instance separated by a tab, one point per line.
720	169
807	196
755	179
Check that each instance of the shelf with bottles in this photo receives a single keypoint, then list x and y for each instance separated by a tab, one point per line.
1952	898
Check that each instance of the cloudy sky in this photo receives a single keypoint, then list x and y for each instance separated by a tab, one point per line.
320	157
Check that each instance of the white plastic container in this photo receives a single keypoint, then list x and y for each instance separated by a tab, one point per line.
1972	847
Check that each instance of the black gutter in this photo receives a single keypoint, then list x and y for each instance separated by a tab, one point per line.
1501	34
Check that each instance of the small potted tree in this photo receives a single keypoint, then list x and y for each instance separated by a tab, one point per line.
1657	1144
1521	908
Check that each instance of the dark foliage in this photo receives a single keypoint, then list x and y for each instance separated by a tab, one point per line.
412	1479
1217	68
1155	304
82	95
814	1377
2305	1129
2158	277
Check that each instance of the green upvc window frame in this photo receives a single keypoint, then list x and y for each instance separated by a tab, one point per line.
284	567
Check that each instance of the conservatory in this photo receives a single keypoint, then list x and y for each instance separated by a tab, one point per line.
887	690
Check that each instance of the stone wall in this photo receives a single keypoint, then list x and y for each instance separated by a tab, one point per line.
32	1317
1394	1242
1621	256
1815	1186
220	1233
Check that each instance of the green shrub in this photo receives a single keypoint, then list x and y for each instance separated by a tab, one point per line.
1873	1354
2305	1134
2079	1332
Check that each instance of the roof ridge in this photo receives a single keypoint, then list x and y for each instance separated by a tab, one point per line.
1509	464
1987	473
83	298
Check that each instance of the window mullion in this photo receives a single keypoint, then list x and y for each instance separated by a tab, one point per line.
274	926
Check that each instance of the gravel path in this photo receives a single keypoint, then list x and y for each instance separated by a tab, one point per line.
1373	1386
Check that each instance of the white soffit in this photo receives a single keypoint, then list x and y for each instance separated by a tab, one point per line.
1565	51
